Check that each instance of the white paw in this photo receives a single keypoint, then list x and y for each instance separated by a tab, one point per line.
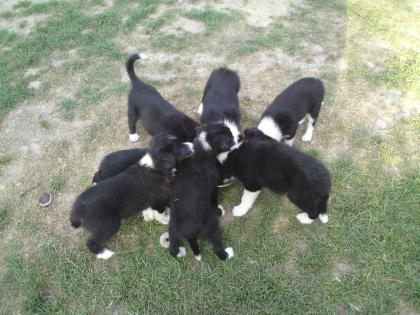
229	251
239	211
148	214
182	252
307	136
222	209
198	257
200	109
105	254
304	218
162	218
134	137
323	217
164	240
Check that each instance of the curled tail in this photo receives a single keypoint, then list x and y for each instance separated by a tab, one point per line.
323	203
76	216
129	66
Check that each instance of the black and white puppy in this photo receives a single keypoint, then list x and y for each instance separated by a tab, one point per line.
118	161
299	101
195	210
100	208
260	162
220	104
156	113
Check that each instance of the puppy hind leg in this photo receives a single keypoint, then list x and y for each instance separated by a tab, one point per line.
106	229
217	243
132	120
194	247
175	248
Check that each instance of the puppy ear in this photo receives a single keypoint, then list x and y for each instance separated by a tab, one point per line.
184	150
251	132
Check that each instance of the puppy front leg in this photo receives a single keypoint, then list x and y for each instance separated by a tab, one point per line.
247	201
132	119
194	246
307	136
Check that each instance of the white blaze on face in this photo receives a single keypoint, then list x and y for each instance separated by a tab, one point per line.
233	129
202	138
270	128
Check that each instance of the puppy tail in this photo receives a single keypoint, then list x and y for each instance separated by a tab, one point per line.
76	217
323	203
130	66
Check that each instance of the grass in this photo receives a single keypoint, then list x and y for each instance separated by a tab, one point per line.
280	266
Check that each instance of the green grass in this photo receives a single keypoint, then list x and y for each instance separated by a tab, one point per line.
5	159
213	19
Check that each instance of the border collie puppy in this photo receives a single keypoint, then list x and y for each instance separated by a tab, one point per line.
261	162
195	210
100	208
156	113
220	104
302	99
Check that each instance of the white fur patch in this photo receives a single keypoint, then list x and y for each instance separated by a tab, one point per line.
289	142
229	251
200	109
105	254
147	161
221	157
323	217
182	252
202	138
247	201
222	209
307	136
164	240
198	257
150	214
134	137
190	146
270	128
233	129
303	120
304	218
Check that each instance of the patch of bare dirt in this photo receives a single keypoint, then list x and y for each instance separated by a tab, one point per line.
23	24
256	13
108	4
340	269
183	25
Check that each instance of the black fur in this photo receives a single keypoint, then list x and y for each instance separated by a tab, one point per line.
194	213
263	162
302	97
157	114
220	97
116	162
100	208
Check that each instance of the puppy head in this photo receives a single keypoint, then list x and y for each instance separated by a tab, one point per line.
252	133
164	151
181	126
214	137
287	125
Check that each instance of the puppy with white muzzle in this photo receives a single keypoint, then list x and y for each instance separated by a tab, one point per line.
299	101
100	208
156	113
220	104
262	162
195	209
